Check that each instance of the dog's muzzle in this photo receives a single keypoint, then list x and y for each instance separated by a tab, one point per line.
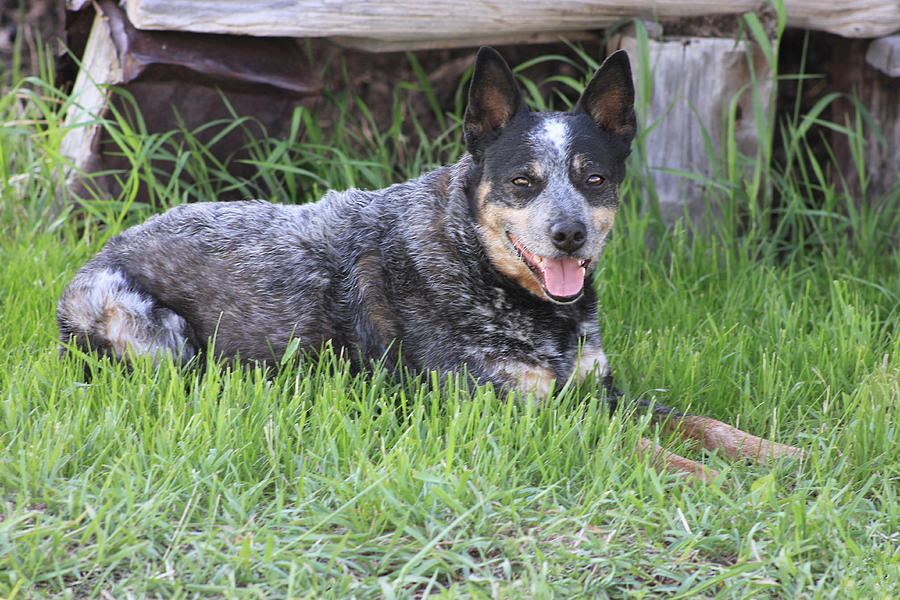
561	278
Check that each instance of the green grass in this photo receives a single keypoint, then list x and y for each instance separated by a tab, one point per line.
315	483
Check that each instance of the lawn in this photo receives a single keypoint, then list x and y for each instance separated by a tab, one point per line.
312	482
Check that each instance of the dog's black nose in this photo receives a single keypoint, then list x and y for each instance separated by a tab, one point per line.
568	236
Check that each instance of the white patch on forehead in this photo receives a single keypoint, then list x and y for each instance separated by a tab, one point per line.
555	133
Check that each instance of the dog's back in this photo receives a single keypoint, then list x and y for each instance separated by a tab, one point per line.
250	274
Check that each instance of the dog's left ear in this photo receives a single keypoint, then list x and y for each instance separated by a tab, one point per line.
494	99
609	98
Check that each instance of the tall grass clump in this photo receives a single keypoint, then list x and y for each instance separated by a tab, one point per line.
311	481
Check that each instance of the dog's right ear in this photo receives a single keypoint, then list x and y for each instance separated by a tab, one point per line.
608	98
494	99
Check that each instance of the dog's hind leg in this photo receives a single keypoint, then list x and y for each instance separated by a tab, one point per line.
710	433
674	463
105	310
659	456
714	435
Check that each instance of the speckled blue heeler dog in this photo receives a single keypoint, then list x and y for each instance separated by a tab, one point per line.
485	264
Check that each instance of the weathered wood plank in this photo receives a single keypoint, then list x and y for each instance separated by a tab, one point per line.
849	18
370	44
693	81
415	21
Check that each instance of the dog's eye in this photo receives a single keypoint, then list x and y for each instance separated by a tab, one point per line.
594	180
521	182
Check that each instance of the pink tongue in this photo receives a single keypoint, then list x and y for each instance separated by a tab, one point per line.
563	277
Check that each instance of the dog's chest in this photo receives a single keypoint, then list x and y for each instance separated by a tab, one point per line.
496	324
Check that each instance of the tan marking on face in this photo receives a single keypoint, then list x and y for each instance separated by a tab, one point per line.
482	192
674	463
528	379
602	219
591	362
735	443
492	223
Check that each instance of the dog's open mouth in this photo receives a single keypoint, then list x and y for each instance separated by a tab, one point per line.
561	278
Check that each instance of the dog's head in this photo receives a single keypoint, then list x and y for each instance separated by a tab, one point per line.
547	193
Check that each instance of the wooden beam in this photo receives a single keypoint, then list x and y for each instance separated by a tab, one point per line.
412	22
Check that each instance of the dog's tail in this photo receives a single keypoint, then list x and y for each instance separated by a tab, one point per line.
105	310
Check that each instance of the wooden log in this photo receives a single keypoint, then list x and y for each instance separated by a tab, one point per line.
414	22
850	18
369	44
693	82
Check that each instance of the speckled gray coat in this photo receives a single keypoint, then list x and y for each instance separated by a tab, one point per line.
458	268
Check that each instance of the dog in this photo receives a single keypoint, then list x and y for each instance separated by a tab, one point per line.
484	265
